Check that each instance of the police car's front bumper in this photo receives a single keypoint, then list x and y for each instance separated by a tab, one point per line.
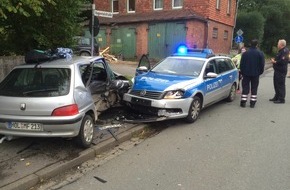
168	108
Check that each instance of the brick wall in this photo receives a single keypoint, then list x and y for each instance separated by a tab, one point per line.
215	43
195	34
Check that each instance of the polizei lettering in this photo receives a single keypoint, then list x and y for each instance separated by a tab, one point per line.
212	86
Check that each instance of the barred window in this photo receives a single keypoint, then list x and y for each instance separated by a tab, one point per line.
215	33
226	35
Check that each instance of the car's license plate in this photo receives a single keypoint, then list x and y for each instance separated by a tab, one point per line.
141	101
25	126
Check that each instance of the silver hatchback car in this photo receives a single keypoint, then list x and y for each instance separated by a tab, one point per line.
59	98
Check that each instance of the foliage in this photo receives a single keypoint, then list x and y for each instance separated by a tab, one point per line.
275	25
23	7
53	26
252	23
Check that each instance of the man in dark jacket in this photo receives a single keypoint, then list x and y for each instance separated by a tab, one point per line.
251	66
280	66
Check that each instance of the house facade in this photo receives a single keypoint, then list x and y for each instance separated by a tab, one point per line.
158	27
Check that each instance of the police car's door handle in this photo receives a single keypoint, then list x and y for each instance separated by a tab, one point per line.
231	76
220	80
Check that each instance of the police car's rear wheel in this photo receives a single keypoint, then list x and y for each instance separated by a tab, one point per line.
232	94
194	110
85	136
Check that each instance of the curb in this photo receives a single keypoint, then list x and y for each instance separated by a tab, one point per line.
60	167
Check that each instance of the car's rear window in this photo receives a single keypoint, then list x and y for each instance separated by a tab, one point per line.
36	82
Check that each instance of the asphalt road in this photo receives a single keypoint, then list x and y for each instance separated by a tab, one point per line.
227	148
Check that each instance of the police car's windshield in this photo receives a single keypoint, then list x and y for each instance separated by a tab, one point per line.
179	66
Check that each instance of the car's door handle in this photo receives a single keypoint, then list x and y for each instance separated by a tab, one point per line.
220	80
231	76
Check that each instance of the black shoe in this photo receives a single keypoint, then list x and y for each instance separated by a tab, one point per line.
243	104
279	101
273	99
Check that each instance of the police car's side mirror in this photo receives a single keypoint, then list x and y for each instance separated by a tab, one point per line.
141	70
211	75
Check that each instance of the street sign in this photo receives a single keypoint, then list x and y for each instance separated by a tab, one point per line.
239	39
240	32
103	14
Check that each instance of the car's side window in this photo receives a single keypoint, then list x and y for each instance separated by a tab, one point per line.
223	65
99	72
211	67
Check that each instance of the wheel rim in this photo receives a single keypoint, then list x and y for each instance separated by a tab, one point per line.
195	109
233	92
88	130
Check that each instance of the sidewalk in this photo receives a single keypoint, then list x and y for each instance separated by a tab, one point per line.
20	173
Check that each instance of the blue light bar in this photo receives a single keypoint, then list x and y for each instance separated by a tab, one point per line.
182	49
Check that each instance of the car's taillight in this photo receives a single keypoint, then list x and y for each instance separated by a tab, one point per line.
66	110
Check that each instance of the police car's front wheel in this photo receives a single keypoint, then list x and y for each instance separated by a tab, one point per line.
194	110
232	94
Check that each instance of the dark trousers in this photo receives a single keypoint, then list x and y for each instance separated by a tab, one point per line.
250	83
279	85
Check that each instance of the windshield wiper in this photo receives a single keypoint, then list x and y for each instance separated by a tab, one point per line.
40	90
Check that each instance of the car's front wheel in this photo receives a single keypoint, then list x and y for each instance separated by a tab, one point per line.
86	134
194	110
232	94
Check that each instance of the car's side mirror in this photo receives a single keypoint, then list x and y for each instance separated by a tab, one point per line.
211	75
141	70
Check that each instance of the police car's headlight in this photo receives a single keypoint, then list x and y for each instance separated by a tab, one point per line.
174	94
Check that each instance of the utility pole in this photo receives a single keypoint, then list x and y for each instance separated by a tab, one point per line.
92	27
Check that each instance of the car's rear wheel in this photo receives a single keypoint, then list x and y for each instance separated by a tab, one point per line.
194	110
86	134
84	53
232	94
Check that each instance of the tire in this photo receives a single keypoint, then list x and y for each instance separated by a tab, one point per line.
194	110
86	133
232	94
84	53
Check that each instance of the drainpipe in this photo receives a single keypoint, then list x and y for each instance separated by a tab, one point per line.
206	34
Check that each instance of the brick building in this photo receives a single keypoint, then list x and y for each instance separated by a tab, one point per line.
157	27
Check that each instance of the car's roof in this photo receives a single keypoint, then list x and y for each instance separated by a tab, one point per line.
64	62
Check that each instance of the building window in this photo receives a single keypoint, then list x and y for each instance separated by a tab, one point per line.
158	4
131	6
115	6
177	4
229	6
226	35
215	33
218	4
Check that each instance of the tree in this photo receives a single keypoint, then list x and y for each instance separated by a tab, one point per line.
54	27
275	14
252	23
22	7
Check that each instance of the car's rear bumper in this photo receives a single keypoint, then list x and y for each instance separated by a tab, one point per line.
52	126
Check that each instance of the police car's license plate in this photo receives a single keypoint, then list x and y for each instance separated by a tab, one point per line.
25	126
141	102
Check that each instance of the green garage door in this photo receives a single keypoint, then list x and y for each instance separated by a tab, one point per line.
164	38
101	39
123	42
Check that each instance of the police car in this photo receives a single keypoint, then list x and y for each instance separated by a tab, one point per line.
182	84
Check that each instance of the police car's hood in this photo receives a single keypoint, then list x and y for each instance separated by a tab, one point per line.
162	82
